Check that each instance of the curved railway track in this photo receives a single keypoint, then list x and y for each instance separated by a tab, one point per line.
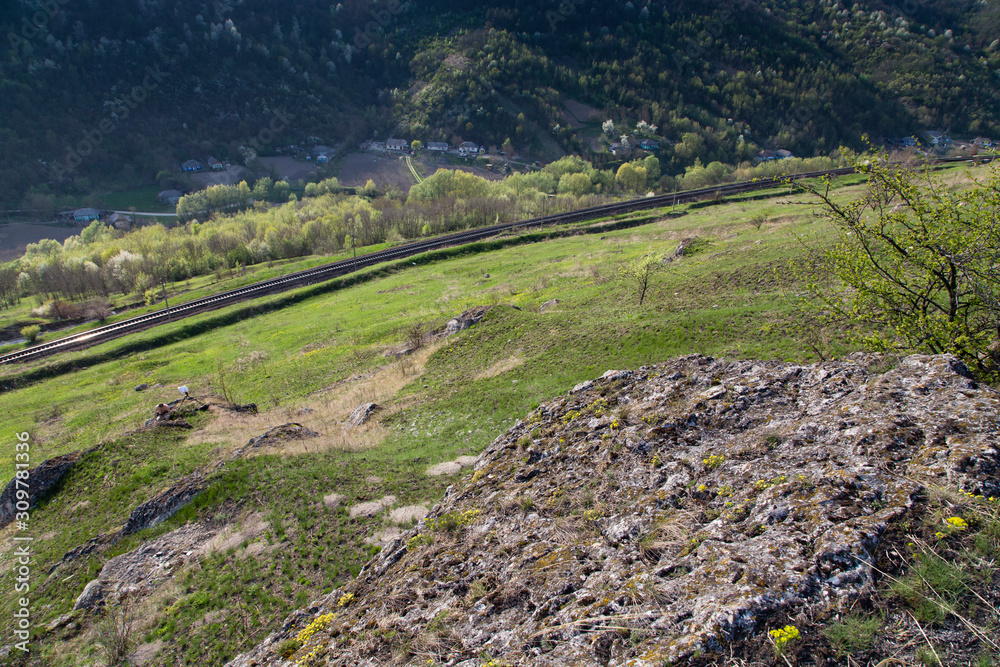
336	269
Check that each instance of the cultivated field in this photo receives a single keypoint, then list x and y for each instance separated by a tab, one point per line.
15	236
357	168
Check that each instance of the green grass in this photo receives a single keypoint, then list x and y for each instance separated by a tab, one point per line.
142	199
854	633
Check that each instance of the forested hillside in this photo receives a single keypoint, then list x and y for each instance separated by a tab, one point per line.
117	92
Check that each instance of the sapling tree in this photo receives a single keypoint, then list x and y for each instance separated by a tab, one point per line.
918	263
639	273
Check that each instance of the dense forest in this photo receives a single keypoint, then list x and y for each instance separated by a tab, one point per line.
110	95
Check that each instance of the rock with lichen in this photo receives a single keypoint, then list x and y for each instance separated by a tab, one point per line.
649	516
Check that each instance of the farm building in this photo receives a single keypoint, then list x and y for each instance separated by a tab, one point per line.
322	154
121	221
170	196
86	214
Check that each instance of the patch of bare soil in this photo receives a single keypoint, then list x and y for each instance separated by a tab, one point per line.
578	114
358	168
288	168
371	508
15	237
402	516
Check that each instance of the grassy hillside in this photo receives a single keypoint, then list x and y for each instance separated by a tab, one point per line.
280	543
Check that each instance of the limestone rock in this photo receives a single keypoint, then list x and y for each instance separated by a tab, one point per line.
279	434
465	320
140	570
41	479
92	595
361	414
725	494
165	504
60	622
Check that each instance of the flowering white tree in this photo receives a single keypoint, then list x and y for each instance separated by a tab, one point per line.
609	127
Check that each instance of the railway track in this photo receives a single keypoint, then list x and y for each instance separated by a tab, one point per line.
336	269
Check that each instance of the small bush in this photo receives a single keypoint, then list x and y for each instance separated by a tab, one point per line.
31	333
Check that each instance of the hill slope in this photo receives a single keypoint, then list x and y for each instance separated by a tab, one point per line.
114	94
678	510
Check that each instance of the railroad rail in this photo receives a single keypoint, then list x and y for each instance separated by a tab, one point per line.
328	271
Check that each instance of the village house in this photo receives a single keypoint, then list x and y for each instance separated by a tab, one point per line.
649	145
469	148
191	165
215	164
397	145
782	154
766	156
937	138
86	214
170	196
121	221
437	146
322	154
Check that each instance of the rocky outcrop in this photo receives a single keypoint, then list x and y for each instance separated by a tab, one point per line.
467	319
165	504
278	435
651	515
41	479
140	571
361	414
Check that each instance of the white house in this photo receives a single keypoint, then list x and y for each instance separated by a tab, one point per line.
470	148
437	146
397	145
